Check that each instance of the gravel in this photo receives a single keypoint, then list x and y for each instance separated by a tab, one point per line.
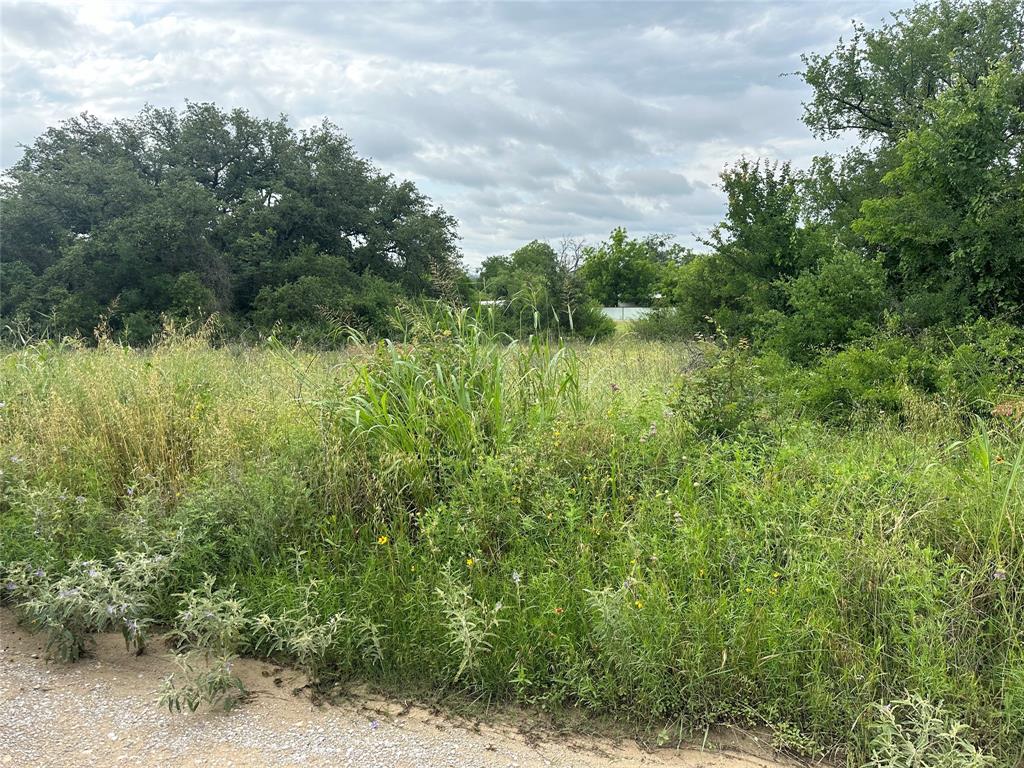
102	712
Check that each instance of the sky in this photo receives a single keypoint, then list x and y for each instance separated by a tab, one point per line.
523	120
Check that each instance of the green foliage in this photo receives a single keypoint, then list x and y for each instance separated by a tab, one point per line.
870	378
210	627
205	211
726	393
915	733
953	210
672	533
202	679
758	245
664	324
624	269
840	301
879	82
535	290
89	597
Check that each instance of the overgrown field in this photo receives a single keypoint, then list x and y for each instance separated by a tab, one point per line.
675	535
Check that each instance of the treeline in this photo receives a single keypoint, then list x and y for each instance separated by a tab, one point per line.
186	214
919	225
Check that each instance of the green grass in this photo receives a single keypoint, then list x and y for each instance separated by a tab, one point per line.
621	528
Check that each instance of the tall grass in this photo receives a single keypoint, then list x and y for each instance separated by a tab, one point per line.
627	528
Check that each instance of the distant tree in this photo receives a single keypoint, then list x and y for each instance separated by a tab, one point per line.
203	210
539	291
624	269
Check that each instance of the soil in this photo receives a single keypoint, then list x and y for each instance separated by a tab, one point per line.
101	711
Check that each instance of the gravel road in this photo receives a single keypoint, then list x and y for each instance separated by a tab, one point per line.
101	712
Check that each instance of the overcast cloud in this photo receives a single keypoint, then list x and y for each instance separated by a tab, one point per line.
523	120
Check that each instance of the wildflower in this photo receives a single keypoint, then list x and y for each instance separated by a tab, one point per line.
80	499
999	574
3	404
65	593
110	610
374	725
470	562
748	590
10	586
776	575
382	540
39	573
15	459
559	611
93	573
130	491
639	604
516	577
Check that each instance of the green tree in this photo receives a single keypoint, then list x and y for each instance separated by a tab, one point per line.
538	290
951	216
624	269
204	210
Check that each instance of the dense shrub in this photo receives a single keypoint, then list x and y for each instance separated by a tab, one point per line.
840	301
665	324
869	378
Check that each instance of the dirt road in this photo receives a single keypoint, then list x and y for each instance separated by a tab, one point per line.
101	712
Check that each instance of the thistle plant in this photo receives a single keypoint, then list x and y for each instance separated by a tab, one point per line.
913	732
89	597
209	630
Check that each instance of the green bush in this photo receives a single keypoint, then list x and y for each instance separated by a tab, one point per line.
870	378
840	301
665	324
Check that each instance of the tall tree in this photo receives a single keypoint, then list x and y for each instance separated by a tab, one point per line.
209	207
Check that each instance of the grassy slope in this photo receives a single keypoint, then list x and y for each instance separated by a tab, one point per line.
553	531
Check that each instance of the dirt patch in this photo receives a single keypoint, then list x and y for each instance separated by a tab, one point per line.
102	712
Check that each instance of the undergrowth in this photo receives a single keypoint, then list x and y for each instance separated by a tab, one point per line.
674	535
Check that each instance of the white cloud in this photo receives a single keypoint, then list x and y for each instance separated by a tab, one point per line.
524	120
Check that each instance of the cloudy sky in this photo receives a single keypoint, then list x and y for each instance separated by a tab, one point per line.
524	120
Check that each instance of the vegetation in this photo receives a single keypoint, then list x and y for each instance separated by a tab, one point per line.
807	517
678	535
186	214
920	221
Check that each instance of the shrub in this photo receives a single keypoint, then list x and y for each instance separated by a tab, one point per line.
665	324
869	378
840	301
728	392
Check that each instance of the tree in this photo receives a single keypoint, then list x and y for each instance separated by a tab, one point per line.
935	186
760	243
538	291
623	269
880	82
208	210
951	215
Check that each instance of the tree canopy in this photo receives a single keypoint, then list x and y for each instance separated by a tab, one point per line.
921	220
209	210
